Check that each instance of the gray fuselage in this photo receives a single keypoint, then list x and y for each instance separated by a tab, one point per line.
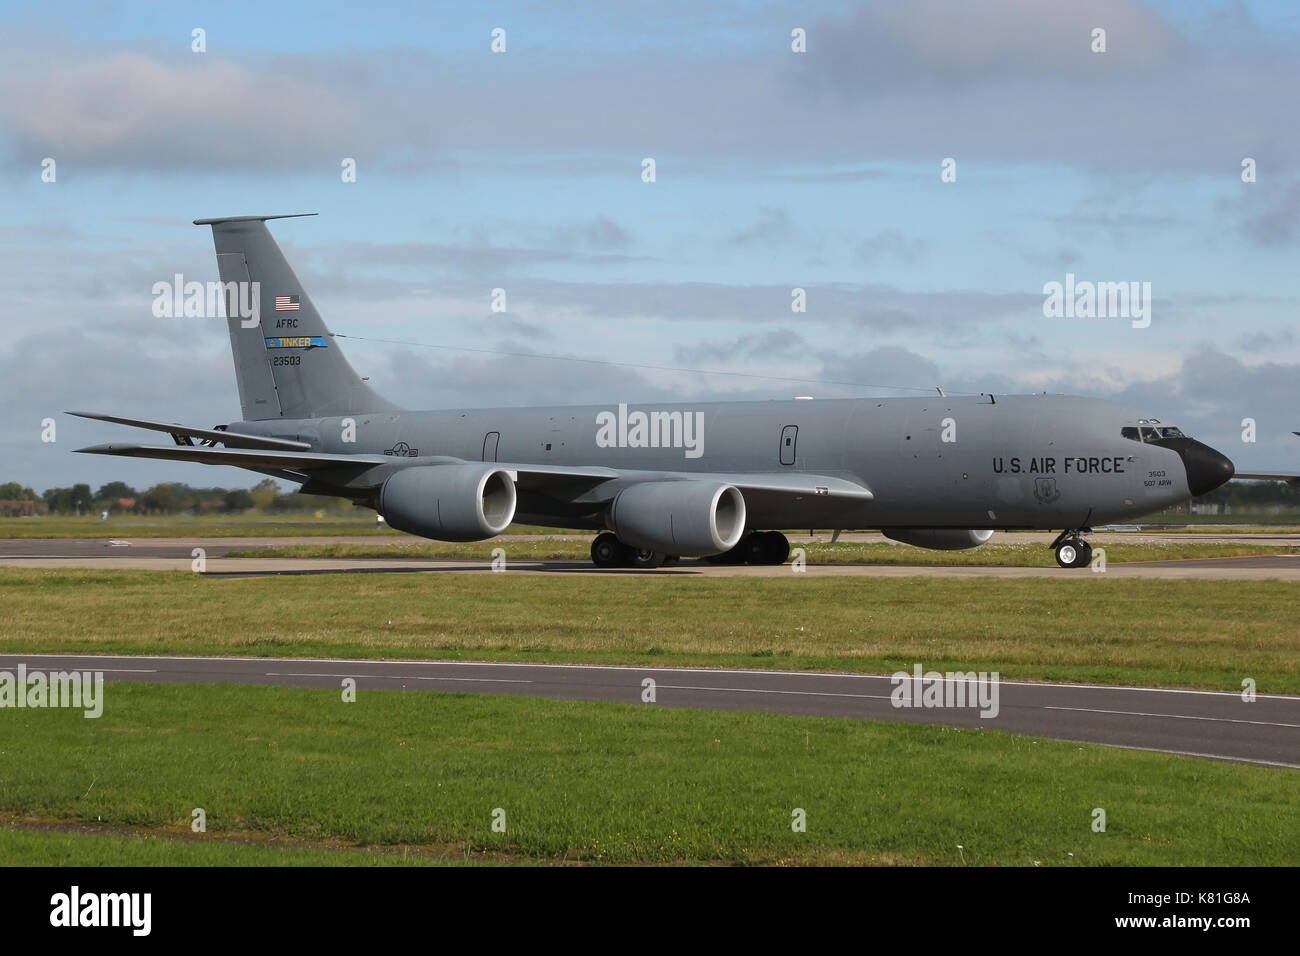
1027	461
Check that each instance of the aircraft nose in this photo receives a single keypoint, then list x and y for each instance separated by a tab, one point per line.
1206	468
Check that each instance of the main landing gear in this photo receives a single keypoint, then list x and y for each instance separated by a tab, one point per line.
1071	550
609	552
758	547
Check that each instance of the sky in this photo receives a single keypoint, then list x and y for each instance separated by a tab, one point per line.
522	170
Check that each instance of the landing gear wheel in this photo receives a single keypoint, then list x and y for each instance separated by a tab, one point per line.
765	547
645	559
736	555
754	548
606	551
776	548
1074	553
757	547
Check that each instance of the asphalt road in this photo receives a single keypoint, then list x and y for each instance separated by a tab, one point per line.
1191	723
174	554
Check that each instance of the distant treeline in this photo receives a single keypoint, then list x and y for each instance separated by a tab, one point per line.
1254	495
117	497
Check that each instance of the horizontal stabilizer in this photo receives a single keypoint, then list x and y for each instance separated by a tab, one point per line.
178	431
239	457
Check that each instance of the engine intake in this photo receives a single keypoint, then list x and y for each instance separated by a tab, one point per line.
938	539
469	502
689	517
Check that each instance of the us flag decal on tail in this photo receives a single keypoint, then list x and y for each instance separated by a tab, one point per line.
286	303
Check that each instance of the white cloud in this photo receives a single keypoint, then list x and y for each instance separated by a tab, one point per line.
130	109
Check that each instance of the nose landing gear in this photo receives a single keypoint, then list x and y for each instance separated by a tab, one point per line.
1071	550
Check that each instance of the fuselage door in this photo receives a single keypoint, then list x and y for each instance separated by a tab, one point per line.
789	438
490	446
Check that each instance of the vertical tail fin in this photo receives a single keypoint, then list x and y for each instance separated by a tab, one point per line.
286	363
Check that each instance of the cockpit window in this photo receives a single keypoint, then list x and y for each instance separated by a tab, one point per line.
1150	429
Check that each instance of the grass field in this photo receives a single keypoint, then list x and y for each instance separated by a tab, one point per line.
180	526
1085	627
213	526
842	552
95	845
423	773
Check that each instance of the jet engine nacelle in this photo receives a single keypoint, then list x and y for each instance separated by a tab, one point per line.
680	517
467	502
938	539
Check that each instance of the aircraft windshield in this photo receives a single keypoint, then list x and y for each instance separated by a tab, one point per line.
1150	430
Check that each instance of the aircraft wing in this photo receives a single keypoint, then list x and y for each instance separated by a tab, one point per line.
788	485
1292	476
1271	476
797	484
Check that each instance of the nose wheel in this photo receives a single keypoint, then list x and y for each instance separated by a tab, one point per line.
1072	551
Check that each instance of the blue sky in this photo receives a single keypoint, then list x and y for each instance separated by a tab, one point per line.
521	170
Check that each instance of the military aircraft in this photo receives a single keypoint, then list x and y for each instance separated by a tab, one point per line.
664	480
